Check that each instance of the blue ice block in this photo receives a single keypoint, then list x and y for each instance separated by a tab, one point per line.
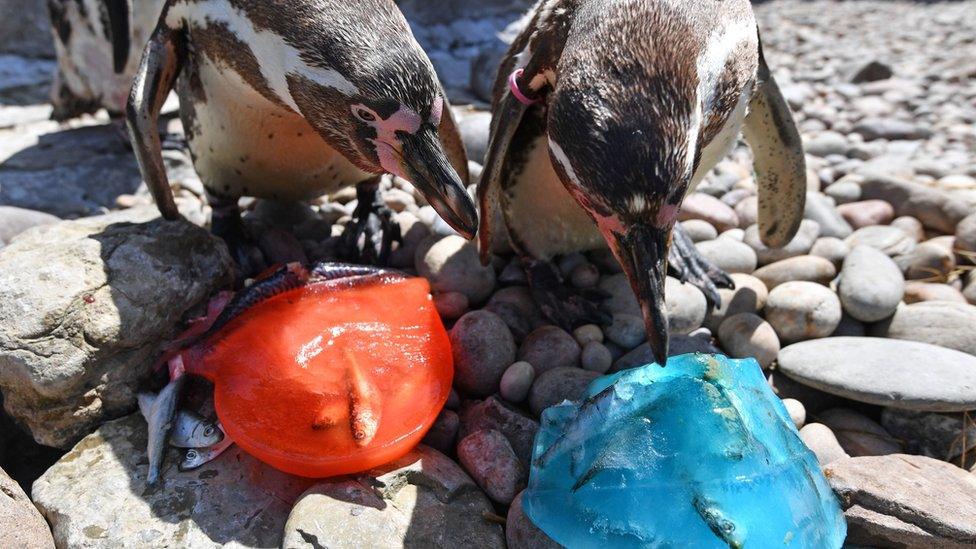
698	454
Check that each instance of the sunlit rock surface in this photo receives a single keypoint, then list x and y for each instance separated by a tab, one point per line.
700	453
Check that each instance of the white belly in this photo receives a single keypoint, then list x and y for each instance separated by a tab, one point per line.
723	142
245	145
542	216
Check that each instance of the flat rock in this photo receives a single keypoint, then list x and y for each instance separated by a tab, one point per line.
708	208
942	323
904	500
729	255
886	372
21	526
84	308
870	284
800	244
810	268
936	209
890	240
96	496
858	434
866	212
420	500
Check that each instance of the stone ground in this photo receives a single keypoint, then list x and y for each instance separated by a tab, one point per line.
884	93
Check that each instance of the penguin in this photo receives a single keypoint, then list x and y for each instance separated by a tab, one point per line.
97	44
293	100
606	113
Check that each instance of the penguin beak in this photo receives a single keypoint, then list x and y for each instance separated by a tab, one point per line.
432	173
643	254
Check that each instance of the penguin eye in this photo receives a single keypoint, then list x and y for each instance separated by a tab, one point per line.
365	115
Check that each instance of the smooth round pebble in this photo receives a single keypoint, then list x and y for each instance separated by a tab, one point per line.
916	292
858	434
810	268
549	347
870	284
626	330
843	191
585	275
800	244
451	264
451	305
865	213
796	410
802	310
928	261
729	255
596	357
699	230
822	441
966	237
911	226
747	335
488	457
733	234
890	240
710	209
558	384
944	323
483	348
748	211
587	333
686	306
820	208
831	248
516	381
749	296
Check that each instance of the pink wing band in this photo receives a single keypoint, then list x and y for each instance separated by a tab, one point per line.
513	85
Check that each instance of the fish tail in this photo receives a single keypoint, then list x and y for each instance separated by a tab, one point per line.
363	404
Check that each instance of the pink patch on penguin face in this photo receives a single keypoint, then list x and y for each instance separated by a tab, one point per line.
403	120
666	215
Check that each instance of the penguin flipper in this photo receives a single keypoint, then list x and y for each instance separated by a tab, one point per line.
779	162
118	26
450	139
160	65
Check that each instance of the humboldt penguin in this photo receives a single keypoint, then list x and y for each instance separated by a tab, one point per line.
294	100
606	113
97	43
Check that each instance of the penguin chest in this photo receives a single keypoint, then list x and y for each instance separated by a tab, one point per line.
722	143
245	145
543	219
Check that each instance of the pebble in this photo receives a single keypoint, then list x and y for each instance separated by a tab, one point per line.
699	230
558	384
966	238
796	411
932	434
800	245
748	211
495	414
928	261
516	306
513	274
820	208
451	305
901	500
596	357
802	310
870	284
621	296
866	212
587	333
491	462
14	221
729	255
521	533
626	330
443	432
516	381
890	240
710	209
858	434
943	323
822	441
885	372
451	264
567	263
916	292
843	191
549	347
802	267
747	335
686	306
749	296
584	276
936	209
831	249
483	349
890	129
734	234
969	289
911	226
849	326
825	144
699	341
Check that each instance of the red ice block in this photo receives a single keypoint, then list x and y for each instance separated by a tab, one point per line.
330	378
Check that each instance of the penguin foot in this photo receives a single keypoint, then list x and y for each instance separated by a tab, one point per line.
563	305
225	223
687	264
369	237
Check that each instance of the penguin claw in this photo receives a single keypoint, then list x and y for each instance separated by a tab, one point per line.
369	237
687	264
566	307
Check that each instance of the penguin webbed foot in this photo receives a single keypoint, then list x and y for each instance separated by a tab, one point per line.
687	264
369	237
227	225
563	305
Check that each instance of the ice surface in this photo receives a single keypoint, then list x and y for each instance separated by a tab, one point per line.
698	454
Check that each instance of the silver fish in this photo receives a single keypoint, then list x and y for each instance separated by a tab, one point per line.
159	413
195	457
190	430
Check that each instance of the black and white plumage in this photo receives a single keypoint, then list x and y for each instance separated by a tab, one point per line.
640	99
298	99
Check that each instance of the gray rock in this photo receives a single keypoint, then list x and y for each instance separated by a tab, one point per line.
686	306
420	500
729	255
905	501
557	385
747	335
858	434
911	226
626	331
710	209
802	310
24	81
516	306
890	129
928	261
521	533
748	211
699	341
819	208
452	265
870	284
939	436
825	144
942	323
596	357
491	462
549	347
843	191
443	432
849	326
822	442
965	237
733	197
886	372
516	381
831	249
584	276
474	132
916	292
451	305
14	221
936	209
26	29
865	213
587	333
96	496
890	240
805	236
84	308
699	230
494	414
483	349
622	299
21	525
871	71
796	410
810	268
749	296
